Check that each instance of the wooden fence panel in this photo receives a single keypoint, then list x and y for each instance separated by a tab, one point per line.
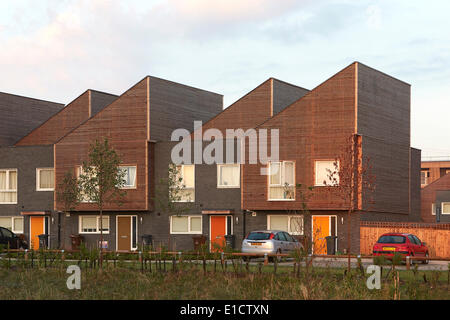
436	236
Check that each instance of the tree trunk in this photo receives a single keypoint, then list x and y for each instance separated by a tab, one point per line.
63	236
101	236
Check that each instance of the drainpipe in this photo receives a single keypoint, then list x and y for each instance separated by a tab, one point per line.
59	229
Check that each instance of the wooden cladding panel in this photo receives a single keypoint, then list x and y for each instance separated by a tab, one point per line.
315	127
100	100
383	121
285	94
248	112
21	115
173	106
124	123
383	107
390	165
415	195
60	124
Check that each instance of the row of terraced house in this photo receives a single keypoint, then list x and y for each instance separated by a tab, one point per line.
40	141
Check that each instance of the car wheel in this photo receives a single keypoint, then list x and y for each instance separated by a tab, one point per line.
426	260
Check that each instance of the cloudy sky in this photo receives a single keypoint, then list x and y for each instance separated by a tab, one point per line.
56	49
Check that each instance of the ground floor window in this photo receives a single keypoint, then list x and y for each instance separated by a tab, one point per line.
292	224
15	224
91	224
186	224
445	208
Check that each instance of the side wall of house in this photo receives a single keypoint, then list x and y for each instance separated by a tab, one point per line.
416	156
384	122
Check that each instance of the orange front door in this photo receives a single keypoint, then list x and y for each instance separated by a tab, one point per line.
218	231
37	227
321	229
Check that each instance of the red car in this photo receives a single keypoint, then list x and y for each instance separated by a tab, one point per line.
405	244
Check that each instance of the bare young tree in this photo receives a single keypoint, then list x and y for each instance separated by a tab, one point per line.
68	193
101	180
350	179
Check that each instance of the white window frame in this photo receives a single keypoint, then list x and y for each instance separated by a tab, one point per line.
189	224
301	233
321	184
38	180
282	179
433	209
427	172
135	178
219	166
80	229
442	207
8	171
182	176
12	224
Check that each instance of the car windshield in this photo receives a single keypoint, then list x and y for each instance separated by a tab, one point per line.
391	239
258	236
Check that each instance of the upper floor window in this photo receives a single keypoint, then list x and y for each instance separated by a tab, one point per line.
282	180
15	224
45	179
228	175
186	182
433	209
322	173
129	177
424	175
8	186
84	198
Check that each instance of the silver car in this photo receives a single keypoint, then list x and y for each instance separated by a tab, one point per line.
270	241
